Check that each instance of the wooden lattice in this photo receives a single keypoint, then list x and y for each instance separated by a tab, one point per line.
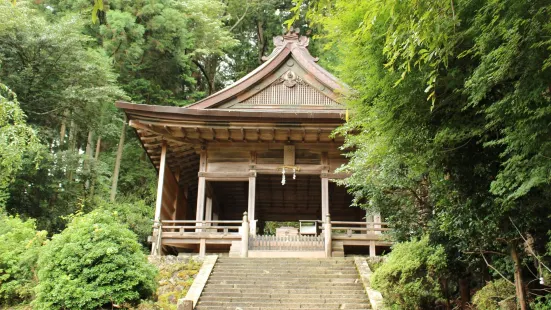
299	94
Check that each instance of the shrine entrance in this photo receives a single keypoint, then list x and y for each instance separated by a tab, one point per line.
296	204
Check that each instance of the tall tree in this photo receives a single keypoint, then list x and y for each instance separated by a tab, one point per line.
449	123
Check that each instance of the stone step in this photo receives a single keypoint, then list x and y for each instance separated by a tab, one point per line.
288	276
288	299
239	261
269	308
326	289
284	273
284	260
287	265
287	283
326	261
279	294
277	305
259	269
322	288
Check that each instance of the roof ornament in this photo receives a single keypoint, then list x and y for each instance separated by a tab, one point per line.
289	79
292	39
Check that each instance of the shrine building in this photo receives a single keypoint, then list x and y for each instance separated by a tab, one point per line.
257	152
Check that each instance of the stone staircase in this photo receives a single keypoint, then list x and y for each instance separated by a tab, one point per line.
283	283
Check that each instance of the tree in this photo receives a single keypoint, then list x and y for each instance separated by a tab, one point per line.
17	139
448	127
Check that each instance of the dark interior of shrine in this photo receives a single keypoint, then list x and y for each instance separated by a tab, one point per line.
298	199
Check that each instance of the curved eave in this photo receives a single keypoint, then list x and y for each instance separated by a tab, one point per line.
211	115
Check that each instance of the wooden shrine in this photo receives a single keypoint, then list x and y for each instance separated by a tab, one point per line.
258	151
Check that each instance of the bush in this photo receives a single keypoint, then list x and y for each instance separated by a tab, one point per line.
19	247
95	262
494	292
137	215
409	278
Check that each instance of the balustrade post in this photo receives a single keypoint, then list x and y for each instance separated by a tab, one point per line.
327	234
156	245
245	236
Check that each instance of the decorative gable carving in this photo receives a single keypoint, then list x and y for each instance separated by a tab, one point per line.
290	90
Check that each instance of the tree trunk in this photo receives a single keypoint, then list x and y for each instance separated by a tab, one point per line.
96	157
63	128
71	149
465	293
444	283
117	164
88	157
519	284
261	41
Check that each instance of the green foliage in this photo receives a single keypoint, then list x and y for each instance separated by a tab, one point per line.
489	297
409	278
541	303
19	248
470	167
94	262
16	140
156	46
270	227
136	214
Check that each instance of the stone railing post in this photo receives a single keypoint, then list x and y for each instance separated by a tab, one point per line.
327	235
245	236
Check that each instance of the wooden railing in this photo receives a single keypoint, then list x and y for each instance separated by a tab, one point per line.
192	227
286	243
351	228
200	232
217	232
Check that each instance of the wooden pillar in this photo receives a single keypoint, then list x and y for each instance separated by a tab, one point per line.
372	250
245	236
369	222
208	211
159	201
160	183
327	236
324	197
324	186
202	247
377	222
252	193
201	189
251	206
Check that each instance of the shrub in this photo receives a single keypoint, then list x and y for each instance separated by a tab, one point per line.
409	278
541	303
95	262
19	247
494	292
136	214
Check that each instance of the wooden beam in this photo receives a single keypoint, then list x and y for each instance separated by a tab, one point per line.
225	176
165	136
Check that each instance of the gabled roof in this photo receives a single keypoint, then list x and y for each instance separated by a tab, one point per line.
289	98
290	78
